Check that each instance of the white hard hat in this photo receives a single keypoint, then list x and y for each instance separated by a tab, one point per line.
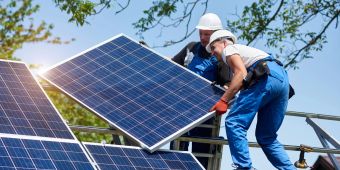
220	34
209	21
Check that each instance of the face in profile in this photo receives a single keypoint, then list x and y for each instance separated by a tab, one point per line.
217	48
205	36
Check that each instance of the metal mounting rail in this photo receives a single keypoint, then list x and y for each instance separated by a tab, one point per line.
313	115
202	140
256	145
94	129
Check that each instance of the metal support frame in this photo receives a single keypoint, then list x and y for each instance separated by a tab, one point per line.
216	150
215	157
324	137
256	145
94	129
301	163
216	141
216	154
121	139
313	115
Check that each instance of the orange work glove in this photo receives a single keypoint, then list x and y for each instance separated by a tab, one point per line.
220	107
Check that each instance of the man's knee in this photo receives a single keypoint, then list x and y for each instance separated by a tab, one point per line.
264	140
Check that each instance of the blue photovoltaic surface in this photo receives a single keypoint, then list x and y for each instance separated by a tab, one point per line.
37	154
113	157
147	96
24	108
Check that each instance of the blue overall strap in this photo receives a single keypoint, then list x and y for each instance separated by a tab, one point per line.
205	66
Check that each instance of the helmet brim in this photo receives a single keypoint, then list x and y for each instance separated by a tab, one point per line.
200	27
208	48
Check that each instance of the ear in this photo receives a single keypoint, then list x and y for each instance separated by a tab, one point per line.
225	43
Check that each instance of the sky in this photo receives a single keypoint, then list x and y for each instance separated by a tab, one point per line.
316	83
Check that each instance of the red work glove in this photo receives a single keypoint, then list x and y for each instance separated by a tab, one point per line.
220	107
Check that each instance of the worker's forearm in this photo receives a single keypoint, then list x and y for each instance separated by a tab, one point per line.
235	86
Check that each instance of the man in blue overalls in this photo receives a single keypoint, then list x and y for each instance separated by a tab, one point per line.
264	89
195	57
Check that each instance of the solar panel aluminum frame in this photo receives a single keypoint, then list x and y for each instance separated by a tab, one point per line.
53	106
135	147
149	148
38	138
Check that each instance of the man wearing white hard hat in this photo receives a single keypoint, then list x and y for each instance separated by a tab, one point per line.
195	57
264	89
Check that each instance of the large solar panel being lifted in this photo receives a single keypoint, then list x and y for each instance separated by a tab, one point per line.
123	157
145	95
24	107
21	153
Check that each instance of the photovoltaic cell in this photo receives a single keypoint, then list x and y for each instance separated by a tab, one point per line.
24	107
122	157
145	95
18	153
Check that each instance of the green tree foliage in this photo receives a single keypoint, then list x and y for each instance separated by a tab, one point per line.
165	14
17	27
79	9
283	25
77	115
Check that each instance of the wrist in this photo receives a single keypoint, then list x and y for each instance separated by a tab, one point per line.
224	100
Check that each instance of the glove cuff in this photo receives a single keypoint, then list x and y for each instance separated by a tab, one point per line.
224	100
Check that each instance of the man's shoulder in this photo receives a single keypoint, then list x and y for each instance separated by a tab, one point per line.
192	45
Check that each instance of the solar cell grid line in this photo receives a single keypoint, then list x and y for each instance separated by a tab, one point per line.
118	157
130	86
24	107
31	152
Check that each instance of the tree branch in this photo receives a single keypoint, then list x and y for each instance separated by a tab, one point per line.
312	41
186	14
257	33
123	7
106	5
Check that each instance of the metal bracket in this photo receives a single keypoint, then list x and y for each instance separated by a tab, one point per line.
324	137
301	163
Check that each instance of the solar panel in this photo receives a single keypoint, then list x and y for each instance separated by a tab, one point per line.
145	95
23	153
24	107
125	157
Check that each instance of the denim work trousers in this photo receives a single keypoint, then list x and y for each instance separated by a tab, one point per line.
269	97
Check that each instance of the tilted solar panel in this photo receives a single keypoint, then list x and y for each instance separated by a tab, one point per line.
24	107
148	97
125	157
23	153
